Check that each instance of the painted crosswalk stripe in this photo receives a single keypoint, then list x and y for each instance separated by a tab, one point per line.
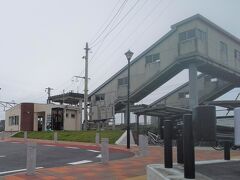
14	171
99	156
93	151
49	145
80	162
16	142
69	147
2	156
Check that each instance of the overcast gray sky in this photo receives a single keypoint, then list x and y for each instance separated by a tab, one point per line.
42	41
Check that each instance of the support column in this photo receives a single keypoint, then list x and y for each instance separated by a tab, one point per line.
137	122
161	128
125	116
145	119
113	111
193	90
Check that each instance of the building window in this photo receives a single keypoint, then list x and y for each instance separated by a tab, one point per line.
154	58
13	120
237	55
223	51
123	81
72	115
183	95
100	97
201	35
190	34
66	115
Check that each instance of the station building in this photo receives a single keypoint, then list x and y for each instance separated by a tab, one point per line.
67	115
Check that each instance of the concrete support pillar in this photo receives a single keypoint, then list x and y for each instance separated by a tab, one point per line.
105	150
143	145
25	136
55	137
31	158
3	135
145	119
97	138
79	124
113	123
161	132
193	89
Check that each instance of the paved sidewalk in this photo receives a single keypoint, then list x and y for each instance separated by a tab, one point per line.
131	168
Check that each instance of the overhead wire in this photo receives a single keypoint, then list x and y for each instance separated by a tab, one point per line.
113	18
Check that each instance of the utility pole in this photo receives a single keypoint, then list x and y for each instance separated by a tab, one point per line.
86	88
48	90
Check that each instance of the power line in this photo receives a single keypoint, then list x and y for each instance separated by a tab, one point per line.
119	22
117	13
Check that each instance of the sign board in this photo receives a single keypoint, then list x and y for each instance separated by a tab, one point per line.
237	126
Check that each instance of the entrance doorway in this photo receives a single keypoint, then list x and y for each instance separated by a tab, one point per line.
41	121
57	119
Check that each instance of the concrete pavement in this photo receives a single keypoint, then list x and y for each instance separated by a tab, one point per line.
133	167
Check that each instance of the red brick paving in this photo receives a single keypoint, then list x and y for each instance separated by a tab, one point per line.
114	170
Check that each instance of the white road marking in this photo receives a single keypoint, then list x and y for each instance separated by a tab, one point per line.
16	142
80	162
69	147
49	145
214	161
2	156
14	171
99	156
94	151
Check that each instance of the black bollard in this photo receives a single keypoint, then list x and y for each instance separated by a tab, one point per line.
180	148
168	144
188	148
226	150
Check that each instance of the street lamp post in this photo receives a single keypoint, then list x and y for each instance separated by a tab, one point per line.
129	55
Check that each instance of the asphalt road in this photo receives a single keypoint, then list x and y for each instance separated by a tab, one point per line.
13	156
221	171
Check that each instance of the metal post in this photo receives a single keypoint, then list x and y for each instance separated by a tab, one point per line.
188	148
227	150
128	107
129	56
161	128
86	88
193	90
137	129
180	148
168	144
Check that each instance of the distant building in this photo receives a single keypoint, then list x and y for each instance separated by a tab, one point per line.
42	117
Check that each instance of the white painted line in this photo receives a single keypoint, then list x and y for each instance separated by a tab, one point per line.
49	145
72	147
16	142
99	156
80	162
2	156
14	171
214	161
93	151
